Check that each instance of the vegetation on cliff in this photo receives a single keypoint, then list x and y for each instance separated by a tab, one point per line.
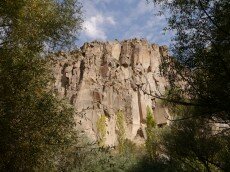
120	123
151	136
101	130
201	48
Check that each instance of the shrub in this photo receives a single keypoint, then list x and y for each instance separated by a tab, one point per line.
101	130
120	123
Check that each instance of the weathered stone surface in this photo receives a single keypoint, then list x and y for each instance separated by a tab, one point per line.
105	77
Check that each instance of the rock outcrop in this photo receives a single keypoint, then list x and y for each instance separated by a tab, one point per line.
103	78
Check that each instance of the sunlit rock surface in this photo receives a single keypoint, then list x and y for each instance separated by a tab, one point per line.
104	77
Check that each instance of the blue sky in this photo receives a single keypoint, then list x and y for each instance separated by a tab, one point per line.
123	19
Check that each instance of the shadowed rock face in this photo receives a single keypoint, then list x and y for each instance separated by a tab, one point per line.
105	77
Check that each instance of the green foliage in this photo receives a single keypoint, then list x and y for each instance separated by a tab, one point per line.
146	165
36	24
149	119
199	77
202	150
120	123
94	158
101	130
203	65
35	127
131	148
104	159
151	136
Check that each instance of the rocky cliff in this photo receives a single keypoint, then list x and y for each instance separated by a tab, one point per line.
104	78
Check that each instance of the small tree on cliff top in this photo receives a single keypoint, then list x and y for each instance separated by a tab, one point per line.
34	126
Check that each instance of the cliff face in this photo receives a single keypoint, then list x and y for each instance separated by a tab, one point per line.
106	77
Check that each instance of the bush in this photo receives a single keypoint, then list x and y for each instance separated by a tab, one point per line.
101	130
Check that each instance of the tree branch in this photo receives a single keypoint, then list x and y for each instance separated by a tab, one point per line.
174	101
210	18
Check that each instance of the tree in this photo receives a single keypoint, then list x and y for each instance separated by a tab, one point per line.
35	126
199	75
120	124
192	146
101	130
151	136
202	60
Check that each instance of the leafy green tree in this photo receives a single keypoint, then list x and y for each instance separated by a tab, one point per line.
120	124
192	146
35	127
199	77
104	159
151	136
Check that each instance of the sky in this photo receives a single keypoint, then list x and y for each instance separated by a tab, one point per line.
107	20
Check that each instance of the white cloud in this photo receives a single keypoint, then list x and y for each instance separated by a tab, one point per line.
143	7
122	19
95	26
110	20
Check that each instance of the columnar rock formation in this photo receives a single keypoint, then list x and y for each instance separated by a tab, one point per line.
106	77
